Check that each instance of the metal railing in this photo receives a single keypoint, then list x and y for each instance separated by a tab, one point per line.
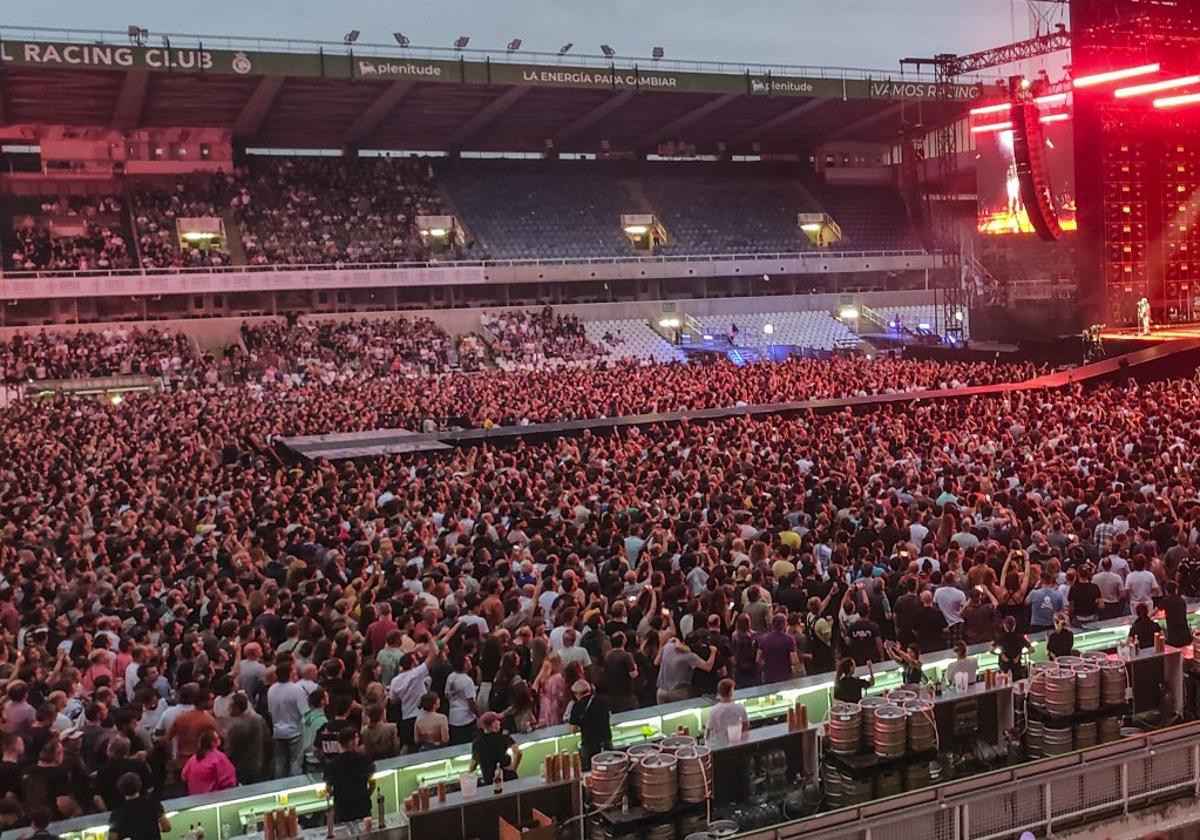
482	263
367	49
1109	780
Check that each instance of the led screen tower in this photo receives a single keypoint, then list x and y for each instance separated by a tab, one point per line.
1136	168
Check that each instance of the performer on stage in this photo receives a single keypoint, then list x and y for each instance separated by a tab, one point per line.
1143	314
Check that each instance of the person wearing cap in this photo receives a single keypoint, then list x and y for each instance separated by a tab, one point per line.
590	718
494	748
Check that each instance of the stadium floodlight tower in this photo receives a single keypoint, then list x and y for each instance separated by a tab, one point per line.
138	35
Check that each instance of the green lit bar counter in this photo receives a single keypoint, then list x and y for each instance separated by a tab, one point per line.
234	812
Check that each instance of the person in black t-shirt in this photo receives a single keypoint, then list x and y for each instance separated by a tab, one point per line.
327	742
136	817
1083	598
1188	575
929	625
348	779
1144	628
847	687
1174	609
1061	641
492	748
589	715
1011	646
863	637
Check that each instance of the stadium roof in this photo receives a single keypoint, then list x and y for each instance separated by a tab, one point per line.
324	95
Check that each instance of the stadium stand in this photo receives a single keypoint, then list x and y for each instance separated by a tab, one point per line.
157	209
729	213
325	351
809	329
517	211
537	339
872	218
44	355
66	233
632	338
334	210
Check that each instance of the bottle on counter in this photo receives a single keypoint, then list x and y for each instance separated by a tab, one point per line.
329	819
498	780
380	806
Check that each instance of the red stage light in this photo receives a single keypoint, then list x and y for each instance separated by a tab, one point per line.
1052	118
1154	87
1049	99
1176	101
1116	75
980	129
991	109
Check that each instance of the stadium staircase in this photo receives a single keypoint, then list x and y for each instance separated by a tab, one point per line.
233	238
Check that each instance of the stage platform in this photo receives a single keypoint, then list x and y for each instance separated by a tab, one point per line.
1160	359
1165	332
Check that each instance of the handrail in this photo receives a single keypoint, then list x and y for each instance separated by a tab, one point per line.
455	264
367	49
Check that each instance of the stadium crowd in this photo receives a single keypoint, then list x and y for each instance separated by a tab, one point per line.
329	351
119	351
72	234
177	599
528	339
328	210
157	213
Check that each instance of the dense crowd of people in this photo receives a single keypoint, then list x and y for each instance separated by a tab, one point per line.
330	210
180	603
363	386
534	339
327	352
72	234
117	351
157	212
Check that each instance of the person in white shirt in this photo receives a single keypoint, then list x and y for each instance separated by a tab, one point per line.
572	652
287	702
962	664
1141	585
726	713
460	692
950	599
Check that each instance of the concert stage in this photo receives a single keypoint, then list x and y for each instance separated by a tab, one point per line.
1165	332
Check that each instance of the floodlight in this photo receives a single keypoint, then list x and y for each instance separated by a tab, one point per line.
608	51
565	48
401	38
460	43
657	53
514	45
351	36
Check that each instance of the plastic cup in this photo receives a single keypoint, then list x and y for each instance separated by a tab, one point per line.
734	732
468	782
